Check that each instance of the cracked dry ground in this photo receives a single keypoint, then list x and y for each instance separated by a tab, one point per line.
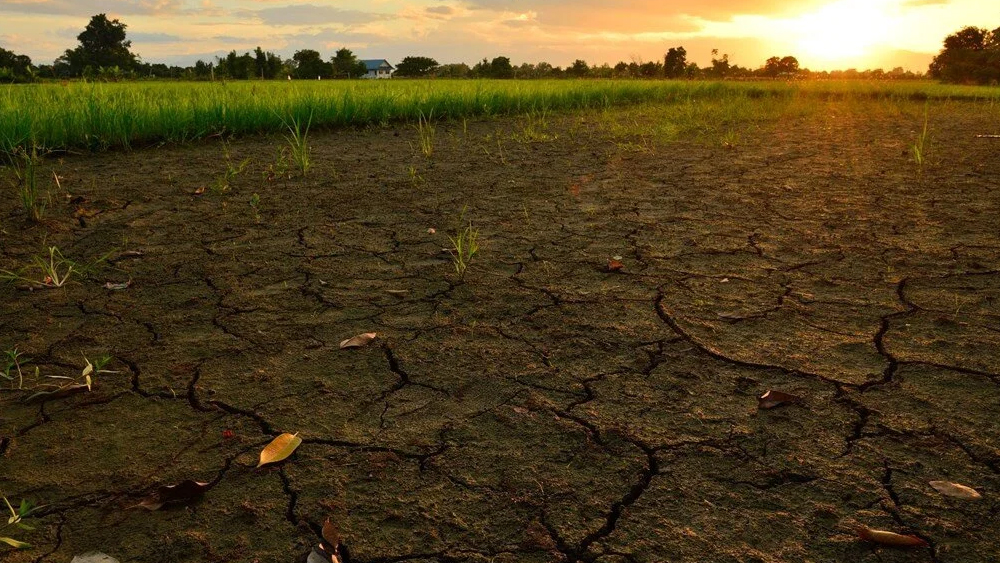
545	409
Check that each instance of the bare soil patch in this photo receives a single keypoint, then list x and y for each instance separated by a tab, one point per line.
545	409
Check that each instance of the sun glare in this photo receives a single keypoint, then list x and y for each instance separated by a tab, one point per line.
842	31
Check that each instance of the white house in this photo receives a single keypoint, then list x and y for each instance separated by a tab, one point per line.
378	68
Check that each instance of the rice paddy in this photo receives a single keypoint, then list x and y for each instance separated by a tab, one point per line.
100	116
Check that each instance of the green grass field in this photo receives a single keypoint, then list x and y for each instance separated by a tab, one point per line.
122	115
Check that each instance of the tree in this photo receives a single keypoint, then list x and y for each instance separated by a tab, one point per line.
15	68
579	69
346	65
309	64
267	64
675	62
784	66
237	67
102	45
969	55
458	70
416	66
500	67
720	67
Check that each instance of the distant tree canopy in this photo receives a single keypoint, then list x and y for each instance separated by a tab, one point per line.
416	66
499	67
783	66
102	46
346	65
14	67
310	64
579	69
972	55
675	62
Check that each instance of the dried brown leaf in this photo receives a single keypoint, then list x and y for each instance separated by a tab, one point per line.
955	490
774	398
331	536
279	448
185	491
111	286
615	265
890	539
358	341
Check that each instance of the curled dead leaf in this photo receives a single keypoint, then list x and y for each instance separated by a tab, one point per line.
14	543
773	398
890	539
955	490
185	491
359	340
117	286
331	535
199	191
615	265
279	448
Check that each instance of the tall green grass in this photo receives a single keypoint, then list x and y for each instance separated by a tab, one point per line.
101	116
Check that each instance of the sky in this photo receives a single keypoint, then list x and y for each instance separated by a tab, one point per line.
821	34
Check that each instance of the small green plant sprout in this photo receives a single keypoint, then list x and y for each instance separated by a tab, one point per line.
415	178
298	141
71	385
464	245
54	272
26	163
425	131
13	359
16	519
255	206
224	181
920	146
730	139
279	168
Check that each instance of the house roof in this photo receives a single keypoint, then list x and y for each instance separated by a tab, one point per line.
375	64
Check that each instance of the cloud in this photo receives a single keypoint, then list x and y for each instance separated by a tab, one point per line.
645	10
309	14
154	38
91	7
441	10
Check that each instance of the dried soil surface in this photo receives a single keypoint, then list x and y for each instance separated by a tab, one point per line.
545	408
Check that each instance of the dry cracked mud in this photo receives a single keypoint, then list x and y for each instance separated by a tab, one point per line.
543	409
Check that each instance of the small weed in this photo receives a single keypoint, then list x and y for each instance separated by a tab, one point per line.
415	178
54	272
223	182
920	146
91	369
13	360
26	165
426	132
535	128
465	245
280	168
298	141
730	139
16	519
255	206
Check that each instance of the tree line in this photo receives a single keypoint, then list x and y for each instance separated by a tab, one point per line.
104	53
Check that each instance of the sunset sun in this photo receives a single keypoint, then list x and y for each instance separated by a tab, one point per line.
841	31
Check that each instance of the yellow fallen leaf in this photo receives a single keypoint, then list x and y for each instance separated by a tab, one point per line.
14	543
955	490
890	539
359	340
279	448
